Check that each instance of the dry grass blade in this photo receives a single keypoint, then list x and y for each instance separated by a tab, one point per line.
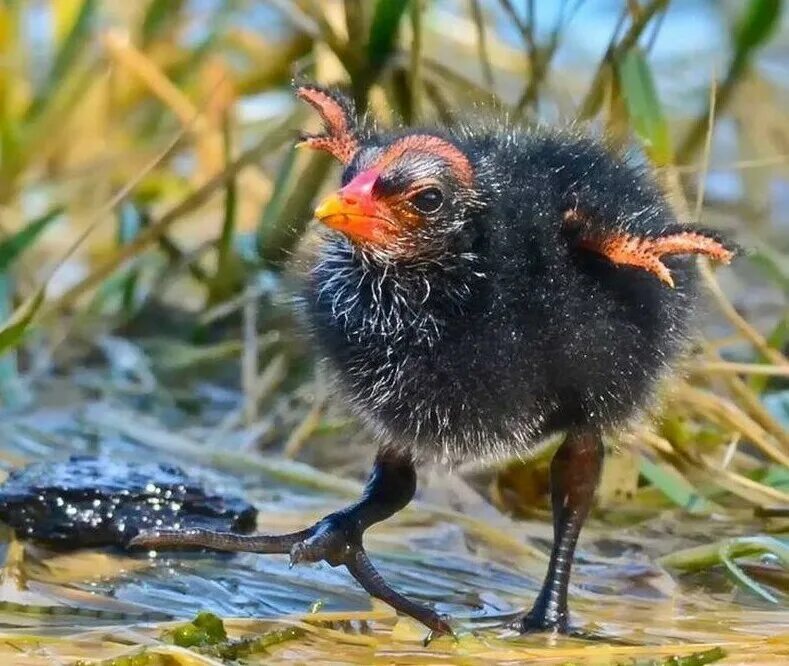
157	229
116	199
755	407
415	58
739	165
482	42
749	399
153	436
710	471
727	414
738	321
747	489
124	53
250	357
729	368
298	438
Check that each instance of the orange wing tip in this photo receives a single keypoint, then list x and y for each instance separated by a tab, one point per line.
339	138
646	253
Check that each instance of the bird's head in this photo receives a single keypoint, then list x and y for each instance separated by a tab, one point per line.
402	195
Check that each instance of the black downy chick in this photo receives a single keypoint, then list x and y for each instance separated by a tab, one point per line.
488	287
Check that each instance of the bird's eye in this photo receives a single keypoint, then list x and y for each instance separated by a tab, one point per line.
428	200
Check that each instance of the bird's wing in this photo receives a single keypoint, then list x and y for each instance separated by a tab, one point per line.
339	119
646	251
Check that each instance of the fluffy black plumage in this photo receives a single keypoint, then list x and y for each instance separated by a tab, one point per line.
508	330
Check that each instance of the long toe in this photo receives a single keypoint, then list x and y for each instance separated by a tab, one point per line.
223	541
335	540
362	569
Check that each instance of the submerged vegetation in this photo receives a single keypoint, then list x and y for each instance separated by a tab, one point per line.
151	202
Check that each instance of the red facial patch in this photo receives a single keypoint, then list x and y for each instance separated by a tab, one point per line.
363	183
339	139
646	253
430	145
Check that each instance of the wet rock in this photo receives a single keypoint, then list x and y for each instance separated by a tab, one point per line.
85	501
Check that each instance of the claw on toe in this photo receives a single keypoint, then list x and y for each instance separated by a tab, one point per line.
440	628
299	554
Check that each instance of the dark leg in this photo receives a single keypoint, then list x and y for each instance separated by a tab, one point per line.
336	539
575	473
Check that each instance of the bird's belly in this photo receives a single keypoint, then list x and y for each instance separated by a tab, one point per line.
492	394
445	402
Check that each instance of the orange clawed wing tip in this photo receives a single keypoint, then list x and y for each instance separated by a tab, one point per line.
339	138
647	253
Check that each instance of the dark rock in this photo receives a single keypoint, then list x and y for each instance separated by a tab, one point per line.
85	501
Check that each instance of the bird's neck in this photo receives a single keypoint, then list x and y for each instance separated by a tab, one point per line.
372	298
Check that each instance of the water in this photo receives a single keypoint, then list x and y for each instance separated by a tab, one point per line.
482	571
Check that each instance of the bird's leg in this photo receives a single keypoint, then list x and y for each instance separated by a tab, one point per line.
575	473
335	539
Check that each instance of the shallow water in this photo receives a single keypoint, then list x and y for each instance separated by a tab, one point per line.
471	562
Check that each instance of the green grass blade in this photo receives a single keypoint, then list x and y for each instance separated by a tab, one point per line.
12	393
16	244
77	39
129	224
229	272
697	659
383	31
758	22
160	16
776	476
10	19
673	486
276	240
725	554
702	557
12	332
231	206
643	106
273	209
777	339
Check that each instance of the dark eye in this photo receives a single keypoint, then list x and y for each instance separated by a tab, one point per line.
428	200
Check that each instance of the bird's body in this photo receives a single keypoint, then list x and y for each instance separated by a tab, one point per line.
510	334
487	287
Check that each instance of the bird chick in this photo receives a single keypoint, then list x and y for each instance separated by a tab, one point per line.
478	289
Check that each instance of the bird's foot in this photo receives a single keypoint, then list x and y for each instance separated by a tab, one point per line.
336	540
332	540
543	618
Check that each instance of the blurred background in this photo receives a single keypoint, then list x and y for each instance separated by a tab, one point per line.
151	202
